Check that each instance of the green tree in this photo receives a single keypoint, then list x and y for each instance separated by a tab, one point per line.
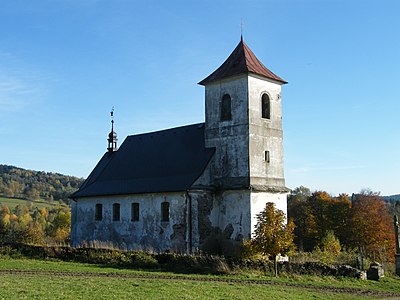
273	235
329	248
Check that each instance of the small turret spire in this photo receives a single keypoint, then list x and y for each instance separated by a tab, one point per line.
112	136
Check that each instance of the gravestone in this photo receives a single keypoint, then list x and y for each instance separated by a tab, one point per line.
375	271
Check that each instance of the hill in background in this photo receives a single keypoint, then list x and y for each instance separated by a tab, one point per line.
391	198
34	185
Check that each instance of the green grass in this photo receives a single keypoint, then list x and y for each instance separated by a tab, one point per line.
87	286
47	287
13	202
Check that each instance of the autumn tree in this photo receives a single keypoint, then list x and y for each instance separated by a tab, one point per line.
315	214
339	216
30	225
60	225
5	215
372	226
320	202
300	211
272	235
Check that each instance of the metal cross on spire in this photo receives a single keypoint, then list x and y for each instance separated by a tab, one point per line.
112	114
241	29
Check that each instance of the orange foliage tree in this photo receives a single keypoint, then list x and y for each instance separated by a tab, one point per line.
372	226
317	214
272	235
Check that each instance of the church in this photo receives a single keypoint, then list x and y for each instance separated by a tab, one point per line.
197	187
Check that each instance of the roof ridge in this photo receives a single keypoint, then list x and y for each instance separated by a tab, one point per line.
164	130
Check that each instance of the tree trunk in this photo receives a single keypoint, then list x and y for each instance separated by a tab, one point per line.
276	265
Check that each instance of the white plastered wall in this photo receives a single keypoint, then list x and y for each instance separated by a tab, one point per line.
260	199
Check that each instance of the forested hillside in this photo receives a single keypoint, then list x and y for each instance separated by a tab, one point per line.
392	198
32	185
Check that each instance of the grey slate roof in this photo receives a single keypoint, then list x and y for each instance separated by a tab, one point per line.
164	161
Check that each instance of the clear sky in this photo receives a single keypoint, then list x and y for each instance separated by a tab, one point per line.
65	63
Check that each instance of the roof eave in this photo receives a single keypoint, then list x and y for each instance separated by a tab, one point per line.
277	80
206	81
127	194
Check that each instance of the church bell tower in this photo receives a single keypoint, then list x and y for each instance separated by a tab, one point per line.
244	123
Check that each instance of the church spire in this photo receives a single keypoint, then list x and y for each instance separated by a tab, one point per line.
241	61
112	136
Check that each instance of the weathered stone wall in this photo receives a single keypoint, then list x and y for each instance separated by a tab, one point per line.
245	182
149	233
265	135
195	217
241	142
230	167
202	203
222	220
231	213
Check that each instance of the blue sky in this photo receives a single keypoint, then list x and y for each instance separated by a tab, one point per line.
65	63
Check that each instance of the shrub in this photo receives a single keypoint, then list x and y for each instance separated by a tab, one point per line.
329	248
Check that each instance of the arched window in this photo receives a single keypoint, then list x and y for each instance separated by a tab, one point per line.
226	108
98	214
165	211
116	212
265	107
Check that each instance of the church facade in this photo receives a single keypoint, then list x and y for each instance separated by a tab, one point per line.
196	187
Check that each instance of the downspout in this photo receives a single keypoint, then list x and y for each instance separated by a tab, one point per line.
189	235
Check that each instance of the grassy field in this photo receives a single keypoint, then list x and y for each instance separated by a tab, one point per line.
13	202
62	280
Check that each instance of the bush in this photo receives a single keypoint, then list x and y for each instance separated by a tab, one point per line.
304	263
201	264
328	249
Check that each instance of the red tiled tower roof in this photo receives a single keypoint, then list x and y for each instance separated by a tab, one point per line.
242	60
